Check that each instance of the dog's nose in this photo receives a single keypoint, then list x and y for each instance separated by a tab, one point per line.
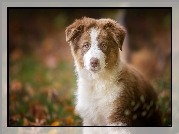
94	62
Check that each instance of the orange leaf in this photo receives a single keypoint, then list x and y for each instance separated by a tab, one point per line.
69	109
56	123
25	122
16	85
70	120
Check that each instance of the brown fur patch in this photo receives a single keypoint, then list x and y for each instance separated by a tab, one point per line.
136	105
111	51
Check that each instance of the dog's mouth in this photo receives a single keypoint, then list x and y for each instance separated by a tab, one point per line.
95	69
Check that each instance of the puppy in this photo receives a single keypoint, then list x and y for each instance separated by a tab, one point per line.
110	92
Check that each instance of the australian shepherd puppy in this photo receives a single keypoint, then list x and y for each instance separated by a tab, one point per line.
110	92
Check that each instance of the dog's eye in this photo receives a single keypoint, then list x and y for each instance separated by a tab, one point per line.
86	45
103	45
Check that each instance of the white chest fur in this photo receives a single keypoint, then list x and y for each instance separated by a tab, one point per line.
95	97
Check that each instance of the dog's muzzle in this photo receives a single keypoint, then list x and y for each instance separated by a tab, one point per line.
94	64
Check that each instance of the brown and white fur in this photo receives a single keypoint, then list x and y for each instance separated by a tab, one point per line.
110	92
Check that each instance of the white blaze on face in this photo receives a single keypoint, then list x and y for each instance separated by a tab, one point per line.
94	52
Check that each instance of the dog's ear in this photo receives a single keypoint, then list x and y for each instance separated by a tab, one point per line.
116	30
73	30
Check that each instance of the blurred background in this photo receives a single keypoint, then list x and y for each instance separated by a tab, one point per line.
42	81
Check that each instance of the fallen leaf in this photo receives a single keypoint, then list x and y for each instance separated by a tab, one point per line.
56	123
16	54
16	85
25	122
30	90
13	97
69	120
14	118
69	109
38	111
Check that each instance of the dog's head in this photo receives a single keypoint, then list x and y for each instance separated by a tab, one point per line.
95	43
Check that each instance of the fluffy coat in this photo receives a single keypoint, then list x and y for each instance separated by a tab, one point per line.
110	92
